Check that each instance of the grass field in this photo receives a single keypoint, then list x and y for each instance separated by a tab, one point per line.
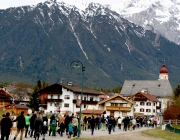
176	126
162	134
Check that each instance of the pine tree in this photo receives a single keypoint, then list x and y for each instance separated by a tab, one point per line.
34	100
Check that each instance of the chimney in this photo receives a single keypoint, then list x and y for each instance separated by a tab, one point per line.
70	83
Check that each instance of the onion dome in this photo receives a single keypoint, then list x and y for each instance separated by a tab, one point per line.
163	69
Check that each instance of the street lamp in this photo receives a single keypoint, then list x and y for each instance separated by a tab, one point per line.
77	62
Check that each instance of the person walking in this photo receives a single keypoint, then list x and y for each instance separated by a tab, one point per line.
103	123
44	129
92	124
75	124
70	129
53	127
21	123
32	120
110	123
62	128
6	126
52	119
27	119
119	122
38	126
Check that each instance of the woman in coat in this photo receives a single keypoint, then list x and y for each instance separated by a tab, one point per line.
6	125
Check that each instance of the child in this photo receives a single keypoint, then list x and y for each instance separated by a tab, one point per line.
70	129
62	128
53	127
44	129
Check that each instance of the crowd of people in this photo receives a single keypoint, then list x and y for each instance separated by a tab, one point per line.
37	124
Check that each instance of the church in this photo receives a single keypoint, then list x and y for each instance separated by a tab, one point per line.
161	88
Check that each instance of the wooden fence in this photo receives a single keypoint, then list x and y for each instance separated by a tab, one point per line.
171	121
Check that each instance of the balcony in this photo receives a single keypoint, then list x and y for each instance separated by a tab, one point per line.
87	102
53	100
117	108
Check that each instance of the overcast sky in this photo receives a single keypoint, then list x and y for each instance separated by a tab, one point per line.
14	3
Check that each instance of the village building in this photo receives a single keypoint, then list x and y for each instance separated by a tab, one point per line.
67	98
146	104
5	99
161	88
117	105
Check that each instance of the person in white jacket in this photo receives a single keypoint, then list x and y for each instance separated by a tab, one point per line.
119	120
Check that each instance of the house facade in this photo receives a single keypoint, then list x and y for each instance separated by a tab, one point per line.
117	105
146	103
161	88
64	98
5	99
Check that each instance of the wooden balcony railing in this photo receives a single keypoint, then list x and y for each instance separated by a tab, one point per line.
116	108
53	100
139	99
87	102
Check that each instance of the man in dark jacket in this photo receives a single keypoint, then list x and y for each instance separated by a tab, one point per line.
110	123
38	126
92	124
6	125
21	123
32	120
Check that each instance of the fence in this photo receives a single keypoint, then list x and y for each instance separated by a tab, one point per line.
176	122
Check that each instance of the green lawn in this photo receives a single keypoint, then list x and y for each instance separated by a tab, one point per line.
176	126
157	132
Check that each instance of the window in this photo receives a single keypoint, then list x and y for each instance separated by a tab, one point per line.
141	110
66	96
66	105
84	98
154	104
154	110
51	96
148	110
124	114
148	104
84	106
58	96
91	98
134	109
141	103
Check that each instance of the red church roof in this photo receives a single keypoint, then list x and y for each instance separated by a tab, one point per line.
163	69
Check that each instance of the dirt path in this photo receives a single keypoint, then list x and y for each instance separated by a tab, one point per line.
126	136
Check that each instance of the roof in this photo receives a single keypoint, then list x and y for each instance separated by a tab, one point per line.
148	96
4	94
103	95
90	111
163	69
19	106
112	97
52	88
157	88
78	89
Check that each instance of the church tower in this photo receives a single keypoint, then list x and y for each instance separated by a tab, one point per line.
163	73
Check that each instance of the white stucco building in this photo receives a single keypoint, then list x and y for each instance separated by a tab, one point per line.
146	103
63	98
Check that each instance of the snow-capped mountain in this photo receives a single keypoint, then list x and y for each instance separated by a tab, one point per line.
162	16
41	41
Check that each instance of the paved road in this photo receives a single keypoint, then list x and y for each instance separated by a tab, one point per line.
85	134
